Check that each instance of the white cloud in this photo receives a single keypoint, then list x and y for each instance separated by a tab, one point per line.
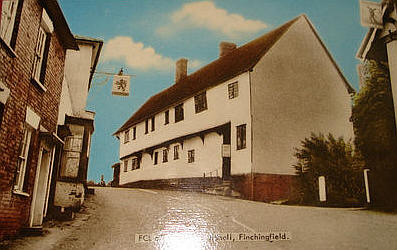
135	54
206	15
138	56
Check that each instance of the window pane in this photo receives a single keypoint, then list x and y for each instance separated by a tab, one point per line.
8	13
233	90
165	155
166	117
127	136
179	113
153	124
176	152
200	102
190	156
241	136
23	155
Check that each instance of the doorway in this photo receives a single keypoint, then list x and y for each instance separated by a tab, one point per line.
40	197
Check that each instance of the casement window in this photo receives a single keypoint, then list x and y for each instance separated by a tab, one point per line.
176	152
190	156
134	133
241	136
200	102
42	48
22	159
7	23
165	155
146	126
127	136
179	116
135	164
156	158
232	90
166	117
125	163
153	123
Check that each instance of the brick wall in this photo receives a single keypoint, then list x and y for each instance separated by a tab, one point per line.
267	187
15	73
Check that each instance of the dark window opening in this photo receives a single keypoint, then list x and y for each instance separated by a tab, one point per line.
156	158
200	102
167	117
165	155
179	113
176	152
134	133
190	156
146	126
153	124
241	137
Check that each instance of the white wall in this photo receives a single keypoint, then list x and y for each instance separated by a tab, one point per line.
220	110
65	105
296	91
77	73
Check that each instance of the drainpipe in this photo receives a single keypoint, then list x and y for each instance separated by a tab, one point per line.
251	137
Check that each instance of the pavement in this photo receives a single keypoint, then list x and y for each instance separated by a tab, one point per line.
121	218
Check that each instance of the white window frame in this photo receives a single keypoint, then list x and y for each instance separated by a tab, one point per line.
45	30
39	55
23	158
8	15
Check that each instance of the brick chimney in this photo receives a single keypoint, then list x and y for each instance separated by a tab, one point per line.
180	69
226	47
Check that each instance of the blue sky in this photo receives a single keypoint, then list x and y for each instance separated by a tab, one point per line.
147	37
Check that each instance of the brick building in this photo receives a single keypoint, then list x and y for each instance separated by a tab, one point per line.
34	37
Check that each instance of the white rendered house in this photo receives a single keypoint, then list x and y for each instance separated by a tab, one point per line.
239	117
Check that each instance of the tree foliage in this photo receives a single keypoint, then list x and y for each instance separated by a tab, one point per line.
334	159
375	131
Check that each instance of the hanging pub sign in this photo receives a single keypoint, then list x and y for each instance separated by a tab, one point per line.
371	14
121	85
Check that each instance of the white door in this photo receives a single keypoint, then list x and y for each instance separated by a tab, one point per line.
41	187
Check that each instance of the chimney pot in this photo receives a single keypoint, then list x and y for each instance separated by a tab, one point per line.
226	47
180	69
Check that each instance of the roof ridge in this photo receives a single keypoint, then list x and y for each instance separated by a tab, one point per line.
240	60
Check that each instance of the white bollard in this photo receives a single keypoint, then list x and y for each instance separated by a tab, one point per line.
366	185
321	188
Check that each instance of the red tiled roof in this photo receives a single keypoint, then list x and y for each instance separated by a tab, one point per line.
226	67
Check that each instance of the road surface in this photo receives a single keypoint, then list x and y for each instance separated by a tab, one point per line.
118	218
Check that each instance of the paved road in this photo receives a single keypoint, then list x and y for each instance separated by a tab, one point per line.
187	221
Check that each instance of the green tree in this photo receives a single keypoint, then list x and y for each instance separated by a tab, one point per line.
375	131
334	159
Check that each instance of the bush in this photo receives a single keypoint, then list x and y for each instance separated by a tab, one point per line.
334	159
375	132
